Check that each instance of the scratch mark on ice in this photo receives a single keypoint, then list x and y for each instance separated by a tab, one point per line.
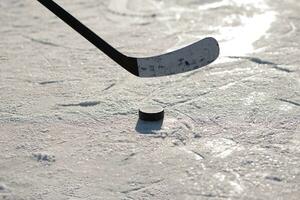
82	104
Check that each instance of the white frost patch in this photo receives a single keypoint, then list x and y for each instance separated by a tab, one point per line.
249	100
222	147
139	12
225	87
235	71
237	188
285	107
254	97
171	124
194	154
219	176
226	153
169	127
236	184
214	5
124	6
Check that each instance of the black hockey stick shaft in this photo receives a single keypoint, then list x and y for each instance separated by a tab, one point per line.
127	62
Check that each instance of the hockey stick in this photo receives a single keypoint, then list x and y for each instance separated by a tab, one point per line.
182	60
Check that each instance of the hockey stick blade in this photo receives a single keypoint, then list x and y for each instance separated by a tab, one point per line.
194	56
182	60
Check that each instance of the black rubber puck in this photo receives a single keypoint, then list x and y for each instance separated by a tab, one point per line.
151	113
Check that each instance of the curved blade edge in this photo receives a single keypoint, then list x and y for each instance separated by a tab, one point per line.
194	56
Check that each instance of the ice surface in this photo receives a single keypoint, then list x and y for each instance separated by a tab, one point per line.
69	125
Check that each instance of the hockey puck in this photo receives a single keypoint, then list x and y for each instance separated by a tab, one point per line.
151	113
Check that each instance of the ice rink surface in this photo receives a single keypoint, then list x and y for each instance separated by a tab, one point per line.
69	127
